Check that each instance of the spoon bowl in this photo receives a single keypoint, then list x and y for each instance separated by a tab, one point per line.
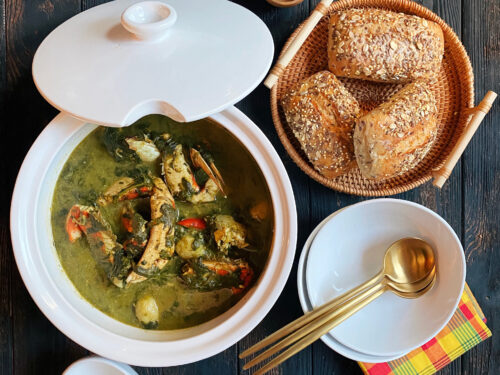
415	294
409	260
412	287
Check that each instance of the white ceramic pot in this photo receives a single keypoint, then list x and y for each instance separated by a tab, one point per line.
58	299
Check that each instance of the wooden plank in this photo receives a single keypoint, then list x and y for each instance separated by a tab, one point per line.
449	200
281	22
482	181
6	324
447	203
324	201
27	24
86	4
222	363
36	343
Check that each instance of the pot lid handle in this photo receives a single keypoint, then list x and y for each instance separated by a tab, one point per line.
149	20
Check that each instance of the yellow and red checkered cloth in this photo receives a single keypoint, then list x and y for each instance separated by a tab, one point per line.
465	330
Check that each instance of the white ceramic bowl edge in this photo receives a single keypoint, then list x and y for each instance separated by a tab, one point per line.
57	298
351	246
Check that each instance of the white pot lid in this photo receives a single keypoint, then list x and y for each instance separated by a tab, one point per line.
120	61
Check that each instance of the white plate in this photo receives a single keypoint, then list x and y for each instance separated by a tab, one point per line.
349	249
307	306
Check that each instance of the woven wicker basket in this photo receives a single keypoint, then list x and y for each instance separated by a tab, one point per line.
454	91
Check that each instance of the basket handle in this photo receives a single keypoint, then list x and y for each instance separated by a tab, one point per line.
478	113
318	13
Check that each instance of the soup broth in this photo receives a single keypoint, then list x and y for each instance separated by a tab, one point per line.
148	261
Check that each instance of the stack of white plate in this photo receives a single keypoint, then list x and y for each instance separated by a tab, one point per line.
347	248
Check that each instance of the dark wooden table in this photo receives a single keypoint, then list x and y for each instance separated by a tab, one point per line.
29	343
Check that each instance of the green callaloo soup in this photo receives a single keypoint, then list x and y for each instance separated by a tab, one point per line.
162	225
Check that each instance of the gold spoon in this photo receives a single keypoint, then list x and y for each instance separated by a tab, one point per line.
410	262
335	319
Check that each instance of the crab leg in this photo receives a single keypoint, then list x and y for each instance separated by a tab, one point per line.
102	241
178	174
72	227
137	191
223	268
161	245
137	232
123	189
211	171
207	194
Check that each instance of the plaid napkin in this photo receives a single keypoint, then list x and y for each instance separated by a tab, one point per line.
465	330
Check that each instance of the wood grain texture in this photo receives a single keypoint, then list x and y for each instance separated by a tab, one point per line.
6	321
447	203
282	22
86	4
469	201
6	261
36	343
223	363
481	176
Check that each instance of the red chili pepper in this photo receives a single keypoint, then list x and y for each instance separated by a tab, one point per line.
246	276
72	227
127	223
130	195
193	223
222	272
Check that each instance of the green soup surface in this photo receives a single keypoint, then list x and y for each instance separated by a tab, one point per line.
187	286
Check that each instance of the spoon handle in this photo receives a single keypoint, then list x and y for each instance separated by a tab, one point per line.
311	315
316	324
334	319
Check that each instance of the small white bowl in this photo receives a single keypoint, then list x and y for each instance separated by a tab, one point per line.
349	249
98	366
307	306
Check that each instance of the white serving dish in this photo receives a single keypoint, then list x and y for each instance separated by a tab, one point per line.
58	299
349	249
306	305
180	59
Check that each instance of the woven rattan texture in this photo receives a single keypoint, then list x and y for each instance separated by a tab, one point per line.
454	91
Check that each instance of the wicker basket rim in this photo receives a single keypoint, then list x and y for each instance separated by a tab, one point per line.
467	82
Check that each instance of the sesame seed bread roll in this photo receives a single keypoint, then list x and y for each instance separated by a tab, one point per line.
396	136
321	113
383	46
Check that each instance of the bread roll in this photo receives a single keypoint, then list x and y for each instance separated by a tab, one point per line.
396	136
383	46
321	113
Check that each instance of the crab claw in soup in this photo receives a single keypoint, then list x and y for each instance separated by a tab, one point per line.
162	225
